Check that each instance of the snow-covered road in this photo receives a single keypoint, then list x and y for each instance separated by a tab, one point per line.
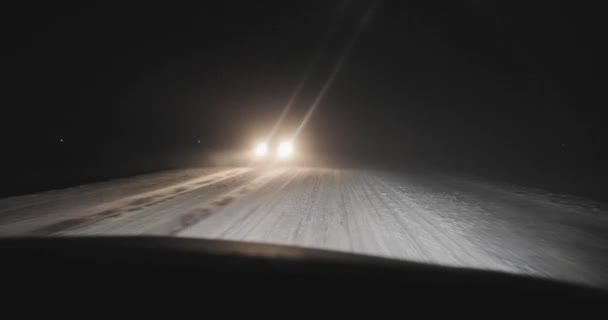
421	217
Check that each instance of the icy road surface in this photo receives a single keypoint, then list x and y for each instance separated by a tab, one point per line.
430	218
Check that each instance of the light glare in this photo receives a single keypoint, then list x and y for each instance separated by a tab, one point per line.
285	149
261	150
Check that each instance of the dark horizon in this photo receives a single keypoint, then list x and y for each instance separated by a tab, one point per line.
501	90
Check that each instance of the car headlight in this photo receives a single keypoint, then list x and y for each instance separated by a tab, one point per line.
261	150
285	149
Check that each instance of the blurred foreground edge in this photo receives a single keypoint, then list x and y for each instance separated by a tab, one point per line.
136	264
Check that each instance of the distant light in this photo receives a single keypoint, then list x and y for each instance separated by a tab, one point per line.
198	141
285	149
261	150
60	139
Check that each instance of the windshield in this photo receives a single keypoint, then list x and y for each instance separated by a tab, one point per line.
459	133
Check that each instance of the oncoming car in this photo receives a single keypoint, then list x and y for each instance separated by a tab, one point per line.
267	151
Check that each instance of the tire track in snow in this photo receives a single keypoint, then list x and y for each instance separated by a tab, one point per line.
129	205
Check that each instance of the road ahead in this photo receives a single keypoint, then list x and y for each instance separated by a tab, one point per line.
421	217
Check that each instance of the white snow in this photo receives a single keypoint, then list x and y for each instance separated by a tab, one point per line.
433	218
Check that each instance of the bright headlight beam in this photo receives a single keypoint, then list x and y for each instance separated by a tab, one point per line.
261	150
285	149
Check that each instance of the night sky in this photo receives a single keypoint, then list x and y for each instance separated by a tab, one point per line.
498	89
